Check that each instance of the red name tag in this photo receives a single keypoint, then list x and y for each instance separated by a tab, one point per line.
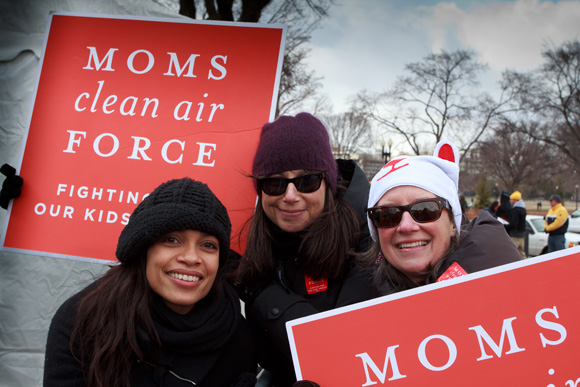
313	286
454	271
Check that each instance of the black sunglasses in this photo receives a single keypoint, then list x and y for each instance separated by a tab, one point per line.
422	211
275	186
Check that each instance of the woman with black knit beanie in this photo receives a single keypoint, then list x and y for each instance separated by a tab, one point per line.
308	225
163	316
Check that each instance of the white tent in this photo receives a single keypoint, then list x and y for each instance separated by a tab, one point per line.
33	287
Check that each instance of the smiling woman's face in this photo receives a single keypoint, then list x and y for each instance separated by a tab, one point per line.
293	211
182	267
413	248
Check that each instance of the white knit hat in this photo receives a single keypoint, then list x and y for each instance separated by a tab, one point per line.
438	174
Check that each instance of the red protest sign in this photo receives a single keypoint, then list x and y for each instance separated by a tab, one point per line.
124	104
515	325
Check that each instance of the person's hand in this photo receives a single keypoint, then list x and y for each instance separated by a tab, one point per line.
11	186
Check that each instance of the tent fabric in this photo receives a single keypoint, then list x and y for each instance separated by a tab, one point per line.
33	287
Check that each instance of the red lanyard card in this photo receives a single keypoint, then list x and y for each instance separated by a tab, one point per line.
315	286
453	271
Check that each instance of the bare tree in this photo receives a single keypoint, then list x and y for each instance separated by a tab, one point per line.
349	133
553	94
321	106
298	83
249	11
440	99
518	162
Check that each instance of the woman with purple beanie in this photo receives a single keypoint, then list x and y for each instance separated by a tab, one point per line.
308	225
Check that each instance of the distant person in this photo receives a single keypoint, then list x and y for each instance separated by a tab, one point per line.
556	224
492	208
516	227
504	208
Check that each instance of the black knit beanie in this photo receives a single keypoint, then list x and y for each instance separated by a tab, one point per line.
177	205
299	142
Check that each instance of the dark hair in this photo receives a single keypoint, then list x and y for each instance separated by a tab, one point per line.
388	279
108	318
107	321
116	307
325	248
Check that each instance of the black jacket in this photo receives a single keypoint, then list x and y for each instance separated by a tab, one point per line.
286	298
484	245
229	364
517	222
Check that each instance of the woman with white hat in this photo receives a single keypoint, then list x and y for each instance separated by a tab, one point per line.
415	219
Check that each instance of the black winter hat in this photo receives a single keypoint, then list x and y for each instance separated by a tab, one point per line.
176	205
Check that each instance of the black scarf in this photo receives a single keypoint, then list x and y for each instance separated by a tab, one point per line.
190	343
208	326
286	244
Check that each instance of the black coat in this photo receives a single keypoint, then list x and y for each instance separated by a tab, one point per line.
517	222
484	245
230	364
281	302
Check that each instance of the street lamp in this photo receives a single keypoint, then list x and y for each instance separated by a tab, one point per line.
576	195
386	155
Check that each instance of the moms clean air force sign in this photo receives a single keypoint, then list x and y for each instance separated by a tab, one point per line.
514	325
123	104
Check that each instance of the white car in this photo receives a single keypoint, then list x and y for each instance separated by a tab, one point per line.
574	225
538	239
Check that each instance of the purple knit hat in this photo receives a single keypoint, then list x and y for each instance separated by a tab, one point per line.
299	142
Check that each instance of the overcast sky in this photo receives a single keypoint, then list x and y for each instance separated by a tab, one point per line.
364	44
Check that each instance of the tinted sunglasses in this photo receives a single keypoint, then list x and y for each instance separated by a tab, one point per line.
275	186
422	211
